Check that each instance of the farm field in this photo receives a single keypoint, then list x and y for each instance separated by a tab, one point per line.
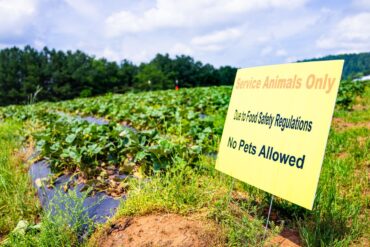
165	143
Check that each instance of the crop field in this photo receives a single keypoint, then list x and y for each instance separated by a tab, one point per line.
166	143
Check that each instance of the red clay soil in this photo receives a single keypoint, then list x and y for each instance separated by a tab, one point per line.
160	230
287	238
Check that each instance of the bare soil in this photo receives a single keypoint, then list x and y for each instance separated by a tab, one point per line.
342	155
340	124
168	230
287	238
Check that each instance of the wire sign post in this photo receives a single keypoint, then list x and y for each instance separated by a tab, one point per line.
277	126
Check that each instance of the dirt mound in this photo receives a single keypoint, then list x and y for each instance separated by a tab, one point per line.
160	230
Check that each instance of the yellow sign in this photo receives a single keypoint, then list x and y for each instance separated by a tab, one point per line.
277	126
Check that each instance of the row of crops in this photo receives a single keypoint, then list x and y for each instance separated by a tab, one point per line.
144	133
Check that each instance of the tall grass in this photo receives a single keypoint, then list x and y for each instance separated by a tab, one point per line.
17	199
64	223
340	215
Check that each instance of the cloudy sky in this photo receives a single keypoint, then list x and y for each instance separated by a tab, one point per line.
241	33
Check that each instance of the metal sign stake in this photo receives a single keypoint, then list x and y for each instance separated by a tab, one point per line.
268	217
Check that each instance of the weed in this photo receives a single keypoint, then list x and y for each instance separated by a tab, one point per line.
65	223
17	200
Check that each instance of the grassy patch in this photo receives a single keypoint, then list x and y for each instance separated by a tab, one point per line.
19	206
341	216
63	224
17	199
181	190
200	190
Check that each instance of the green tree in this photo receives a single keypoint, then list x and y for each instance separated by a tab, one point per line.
126	75
226	75
151	78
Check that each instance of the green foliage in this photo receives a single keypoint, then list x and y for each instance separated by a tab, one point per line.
348	90
65	75
63	224
192	115
16	199
359	114
355	65
86	93
150	77
73	144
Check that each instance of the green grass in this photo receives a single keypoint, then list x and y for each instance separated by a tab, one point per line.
182	189
68	225
340	215
17	199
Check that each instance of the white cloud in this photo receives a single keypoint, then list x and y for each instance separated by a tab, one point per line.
15	15
141	56
217	37
352	34
83	7
290	27
180	48
123	22
266	50
215	41
185	13
281	53
211	48
109	54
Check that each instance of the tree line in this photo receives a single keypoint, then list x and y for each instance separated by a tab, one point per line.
60	75
355	65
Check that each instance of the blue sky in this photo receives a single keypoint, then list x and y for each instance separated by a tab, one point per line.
241	33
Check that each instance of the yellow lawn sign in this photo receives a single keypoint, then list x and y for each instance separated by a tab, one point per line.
277	127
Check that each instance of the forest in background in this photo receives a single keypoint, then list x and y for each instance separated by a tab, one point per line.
355	66
66	75
59	75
